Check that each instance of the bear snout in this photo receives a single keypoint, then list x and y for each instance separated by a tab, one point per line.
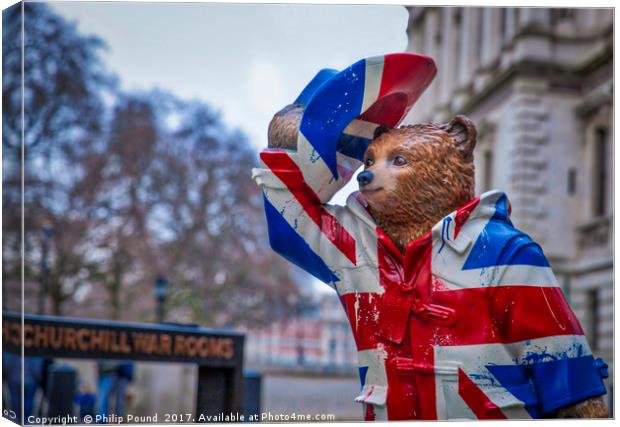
365	178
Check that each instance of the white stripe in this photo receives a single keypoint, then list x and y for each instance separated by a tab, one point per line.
315	171
372	393
372	81
375	360
375	387
362	278
474	357
448	259
495	276
561	346
361	128
448	403
356	207
527	275
294	214
351	164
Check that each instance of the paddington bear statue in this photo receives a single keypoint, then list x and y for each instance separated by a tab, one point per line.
456	313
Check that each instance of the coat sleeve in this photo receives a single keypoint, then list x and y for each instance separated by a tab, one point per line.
543	334
302	227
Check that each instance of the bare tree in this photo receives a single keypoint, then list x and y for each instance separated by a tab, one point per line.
63	110
180	202
117	194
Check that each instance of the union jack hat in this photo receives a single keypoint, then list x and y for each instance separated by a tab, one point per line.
342	109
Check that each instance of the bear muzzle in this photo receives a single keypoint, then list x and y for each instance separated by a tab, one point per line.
364	178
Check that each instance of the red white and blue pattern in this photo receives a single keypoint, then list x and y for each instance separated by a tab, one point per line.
470	322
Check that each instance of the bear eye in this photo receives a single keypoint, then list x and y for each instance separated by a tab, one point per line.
400	161
368	162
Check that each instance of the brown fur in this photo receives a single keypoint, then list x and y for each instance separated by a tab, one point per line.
284	126
437	178
591	408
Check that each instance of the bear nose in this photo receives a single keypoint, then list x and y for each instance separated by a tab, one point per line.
365	178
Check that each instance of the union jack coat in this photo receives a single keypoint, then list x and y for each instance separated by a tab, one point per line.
468	323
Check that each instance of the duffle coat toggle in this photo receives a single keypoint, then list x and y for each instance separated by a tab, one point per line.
412	295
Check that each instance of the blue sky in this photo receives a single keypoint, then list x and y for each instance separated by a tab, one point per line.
247	61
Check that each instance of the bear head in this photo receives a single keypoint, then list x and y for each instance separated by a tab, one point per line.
415	175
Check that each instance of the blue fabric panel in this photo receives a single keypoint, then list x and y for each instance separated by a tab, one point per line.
529	253
353	146
565	381
331	109
547	386
288	243
514	378
501	210
363	371
502	244
306	95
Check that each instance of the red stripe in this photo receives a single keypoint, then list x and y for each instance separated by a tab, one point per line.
423	336
369	413
289	173
412	396
482	407
505	314
463	214
405	77
406	73
393	307
361	309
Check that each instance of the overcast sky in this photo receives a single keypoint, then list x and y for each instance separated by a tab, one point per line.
247	61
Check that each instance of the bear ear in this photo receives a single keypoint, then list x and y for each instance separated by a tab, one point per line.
379	130
463	132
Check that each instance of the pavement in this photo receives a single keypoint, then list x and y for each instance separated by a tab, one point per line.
312	395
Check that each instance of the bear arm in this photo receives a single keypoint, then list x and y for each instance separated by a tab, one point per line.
510	315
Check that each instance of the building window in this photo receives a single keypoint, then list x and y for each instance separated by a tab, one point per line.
599	172
504	22
559	15
592	317
457	16
479	34
572	181
487	180
517	17
438	38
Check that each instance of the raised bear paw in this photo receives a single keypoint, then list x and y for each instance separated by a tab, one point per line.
284	127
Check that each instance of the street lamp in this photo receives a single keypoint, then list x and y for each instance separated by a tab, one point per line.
47	232
161	292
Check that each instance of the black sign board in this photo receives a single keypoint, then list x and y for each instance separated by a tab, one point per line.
218	353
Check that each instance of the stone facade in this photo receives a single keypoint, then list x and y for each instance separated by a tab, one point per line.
538	82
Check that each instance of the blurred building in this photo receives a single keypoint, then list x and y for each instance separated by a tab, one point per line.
538	84
302	356
318	339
